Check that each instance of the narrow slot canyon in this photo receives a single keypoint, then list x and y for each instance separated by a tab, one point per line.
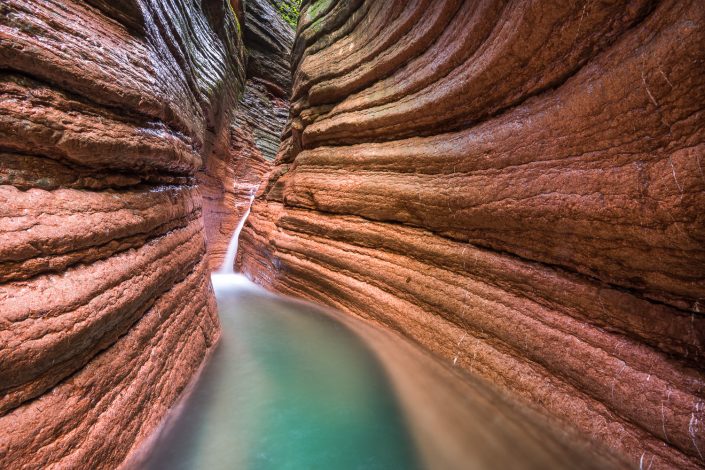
352	234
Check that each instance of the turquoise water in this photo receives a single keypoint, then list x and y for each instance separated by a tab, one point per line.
287	388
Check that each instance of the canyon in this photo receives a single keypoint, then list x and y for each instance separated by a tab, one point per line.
513	189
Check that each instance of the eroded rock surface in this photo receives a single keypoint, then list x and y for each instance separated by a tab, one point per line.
109	111
234	176
518	186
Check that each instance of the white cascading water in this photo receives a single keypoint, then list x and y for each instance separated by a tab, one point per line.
228	266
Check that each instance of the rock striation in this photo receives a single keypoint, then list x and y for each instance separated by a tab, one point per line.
515	185
110	111
234	175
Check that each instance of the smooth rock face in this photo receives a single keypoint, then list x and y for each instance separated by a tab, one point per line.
109	111
519	187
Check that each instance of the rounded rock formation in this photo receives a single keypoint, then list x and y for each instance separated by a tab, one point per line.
515	185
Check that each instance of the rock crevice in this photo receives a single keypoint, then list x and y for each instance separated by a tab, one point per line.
515	185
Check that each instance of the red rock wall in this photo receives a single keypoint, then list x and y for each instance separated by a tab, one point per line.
235	173
516	185
108	112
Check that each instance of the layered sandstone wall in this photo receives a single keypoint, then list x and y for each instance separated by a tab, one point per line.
255	131
516	185
109	110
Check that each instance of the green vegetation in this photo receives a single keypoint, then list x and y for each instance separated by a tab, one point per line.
317	7
290	10
237	20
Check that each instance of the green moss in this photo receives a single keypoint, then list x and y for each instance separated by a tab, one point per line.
290	10
237	20
316	7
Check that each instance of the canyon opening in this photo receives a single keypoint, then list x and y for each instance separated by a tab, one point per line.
352	234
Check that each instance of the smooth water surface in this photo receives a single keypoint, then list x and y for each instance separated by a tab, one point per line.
287	388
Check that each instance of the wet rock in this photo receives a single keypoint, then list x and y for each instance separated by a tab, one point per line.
232	176
109	112
269	40
518	187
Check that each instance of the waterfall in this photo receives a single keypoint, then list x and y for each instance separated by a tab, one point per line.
229	261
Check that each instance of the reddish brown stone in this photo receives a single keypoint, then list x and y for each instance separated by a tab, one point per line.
232	175
518	187
108	114
515	185
100	414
